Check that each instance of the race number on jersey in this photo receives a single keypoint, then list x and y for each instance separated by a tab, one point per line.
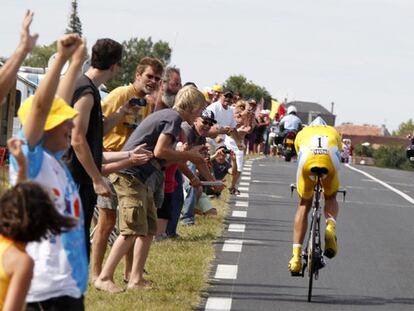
320	144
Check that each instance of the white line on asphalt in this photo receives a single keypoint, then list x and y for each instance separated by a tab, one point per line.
237	227
242	214
232	246
246	178
400	193
244	189
243	195
269	182
243	183
247	169
373	204
228	272
241	204
246	174
218	304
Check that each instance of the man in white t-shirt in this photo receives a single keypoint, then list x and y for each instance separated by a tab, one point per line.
223	113
226	124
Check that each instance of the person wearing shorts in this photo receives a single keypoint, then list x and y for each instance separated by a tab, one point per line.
140	189
125	116
317	145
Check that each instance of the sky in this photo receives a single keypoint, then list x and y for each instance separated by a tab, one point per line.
358	54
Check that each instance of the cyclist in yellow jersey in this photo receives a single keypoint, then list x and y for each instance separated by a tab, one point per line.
317	145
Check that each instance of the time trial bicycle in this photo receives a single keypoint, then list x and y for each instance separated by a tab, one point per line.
312	254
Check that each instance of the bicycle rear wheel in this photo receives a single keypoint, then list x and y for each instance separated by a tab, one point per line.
311	257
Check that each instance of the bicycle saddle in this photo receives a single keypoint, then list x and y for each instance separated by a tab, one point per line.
319	170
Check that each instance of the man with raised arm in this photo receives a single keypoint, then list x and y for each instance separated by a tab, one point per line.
9	70
61	267
85	157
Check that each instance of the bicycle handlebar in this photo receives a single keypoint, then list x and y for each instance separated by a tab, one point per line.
293	188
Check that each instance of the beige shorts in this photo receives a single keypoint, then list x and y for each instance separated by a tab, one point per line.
137	212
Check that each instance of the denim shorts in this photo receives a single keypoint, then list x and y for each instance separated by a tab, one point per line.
108	202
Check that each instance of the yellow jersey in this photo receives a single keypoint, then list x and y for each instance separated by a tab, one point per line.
117	137
317	146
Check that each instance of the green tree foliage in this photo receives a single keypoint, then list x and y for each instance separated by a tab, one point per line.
391	157
75	25
40	55
134	50
405	128
247	89
366	151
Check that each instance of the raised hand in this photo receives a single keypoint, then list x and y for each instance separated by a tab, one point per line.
27	41
15	148
80	53
68	44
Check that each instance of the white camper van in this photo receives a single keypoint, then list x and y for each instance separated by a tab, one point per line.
28	78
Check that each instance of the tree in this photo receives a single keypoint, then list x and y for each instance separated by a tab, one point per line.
75	25
405	128
40	55
134	50
247	89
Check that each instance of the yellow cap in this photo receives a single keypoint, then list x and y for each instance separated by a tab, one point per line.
59	112
218	88
205	93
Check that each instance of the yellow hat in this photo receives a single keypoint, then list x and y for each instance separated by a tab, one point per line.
218	88
59	112
205	93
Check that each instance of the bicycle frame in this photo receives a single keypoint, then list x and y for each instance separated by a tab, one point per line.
312	253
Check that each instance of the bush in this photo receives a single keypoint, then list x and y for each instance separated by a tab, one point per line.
368	151
391	157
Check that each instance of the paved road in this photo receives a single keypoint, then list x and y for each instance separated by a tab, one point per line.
375	262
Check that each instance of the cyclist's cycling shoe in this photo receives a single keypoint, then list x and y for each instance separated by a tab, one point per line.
295	265
331	246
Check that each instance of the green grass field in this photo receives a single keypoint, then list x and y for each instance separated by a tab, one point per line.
178	269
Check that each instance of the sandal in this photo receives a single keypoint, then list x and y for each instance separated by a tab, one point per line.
234	191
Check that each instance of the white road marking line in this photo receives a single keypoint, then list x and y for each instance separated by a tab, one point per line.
218	304
246	174
243	183
400	193
247	169
228	272
241	204
269	182
243	195
242	214
244	189
237	227
232	246
246	178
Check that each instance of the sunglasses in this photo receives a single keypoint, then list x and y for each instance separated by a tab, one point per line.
209	123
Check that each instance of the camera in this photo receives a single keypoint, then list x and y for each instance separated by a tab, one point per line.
227	151
141	102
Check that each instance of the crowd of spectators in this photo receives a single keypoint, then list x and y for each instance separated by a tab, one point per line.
148	157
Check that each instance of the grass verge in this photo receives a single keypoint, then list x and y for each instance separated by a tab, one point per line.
178	269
